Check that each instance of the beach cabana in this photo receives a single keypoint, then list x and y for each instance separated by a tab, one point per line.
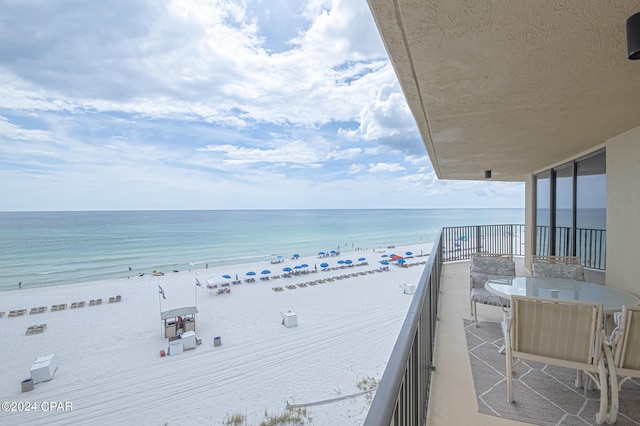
170	320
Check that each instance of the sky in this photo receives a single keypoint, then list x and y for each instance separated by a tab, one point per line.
194	104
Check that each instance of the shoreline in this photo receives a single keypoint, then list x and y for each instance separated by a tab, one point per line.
346	330
182	266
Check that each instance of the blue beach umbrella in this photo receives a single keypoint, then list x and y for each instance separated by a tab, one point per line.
341	262
385	262
296	255
304	265
265	272
401	261
321	253
333	252
227	277
348	262
324	265
297	267
408	253
385	255
362	259
251	273
287	269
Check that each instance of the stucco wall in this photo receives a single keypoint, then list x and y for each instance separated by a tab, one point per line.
623	211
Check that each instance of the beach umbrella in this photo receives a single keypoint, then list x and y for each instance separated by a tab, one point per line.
385	255
297	267
321	253
304	265
265	272
362	259
341	262
251	273
348	262
227	277
333	252
408	253
296	255
324	265
401	261
384	262
287	269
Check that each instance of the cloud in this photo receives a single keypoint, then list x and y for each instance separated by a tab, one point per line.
386	167
206	104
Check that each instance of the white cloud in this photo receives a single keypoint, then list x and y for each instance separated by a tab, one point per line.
386	167
206	104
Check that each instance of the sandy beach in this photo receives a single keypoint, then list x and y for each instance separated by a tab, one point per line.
110	370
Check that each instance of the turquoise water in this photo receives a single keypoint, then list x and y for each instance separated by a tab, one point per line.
53	248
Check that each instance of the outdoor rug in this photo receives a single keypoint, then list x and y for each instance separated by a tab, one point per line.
543	394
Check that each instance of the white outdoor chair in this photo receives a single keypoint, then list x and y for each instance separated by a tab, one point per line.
558	270
558	332
625	341
484	267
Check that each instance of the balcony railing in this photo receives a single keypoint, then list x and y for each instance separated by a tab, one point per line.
460	242
403	393
590	245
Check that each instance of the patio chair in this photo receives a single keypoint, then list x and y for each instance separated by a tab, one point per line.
564	333
567	260
558	270
625	343
484	267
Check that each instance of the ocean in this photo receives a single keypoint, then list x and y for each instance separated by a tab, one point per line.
56	248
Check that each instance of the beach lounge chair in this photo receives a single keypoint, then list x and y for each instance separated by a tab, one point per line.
1	314
558	332
81	304
74	305
98	301
625	343
33	311
118	298
486	266
112	300
92	302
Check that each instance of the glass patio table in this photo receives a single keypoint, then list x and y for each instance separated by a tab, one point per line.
611	298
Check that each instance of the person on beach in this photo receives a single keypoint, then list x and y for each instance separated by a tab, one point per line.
20	284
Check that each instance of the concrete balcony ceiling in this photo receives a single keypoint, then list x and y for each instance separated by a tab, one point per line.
512	86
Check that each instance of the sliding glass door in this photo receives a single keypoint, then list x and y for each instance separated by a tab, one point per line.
571	210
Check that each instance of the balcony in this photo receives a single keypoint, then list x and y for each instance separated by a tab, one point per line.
429	370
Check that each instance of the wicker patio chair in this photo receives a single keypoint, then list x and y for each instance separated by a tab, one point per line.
625	341
484	267
558	332
567	260
558	270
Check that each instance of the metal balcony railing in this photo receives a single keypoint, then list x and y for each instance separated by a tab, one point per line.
590	244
